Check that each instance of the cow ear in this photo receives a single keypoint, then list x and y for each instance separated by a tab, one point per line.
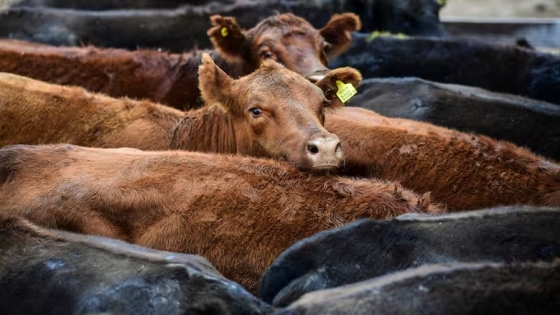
215	84
339	85
338	31
228	38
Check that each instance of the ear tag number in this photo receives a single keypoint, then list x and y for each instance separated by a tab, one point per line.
224	32
345	91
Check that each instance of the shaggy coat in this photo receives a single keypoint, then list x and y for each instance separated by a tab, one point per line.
464	171
272	112
172	79
523	121
238	212
72	274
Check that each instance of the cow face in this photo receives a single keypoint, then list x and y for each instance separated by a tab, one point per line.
278	112
287	39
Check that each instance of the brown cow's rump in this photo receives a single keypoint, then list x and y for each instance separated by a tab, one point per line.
464	171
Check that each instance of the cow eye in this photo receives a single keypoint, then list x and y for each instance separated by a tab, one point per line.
255	112
267	55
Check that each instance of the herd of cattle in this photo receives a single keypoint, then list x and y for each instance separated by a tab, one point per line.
235	178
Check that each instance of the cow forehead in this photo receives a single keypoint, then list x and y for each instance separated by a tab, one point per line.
275	79
287	99
281	26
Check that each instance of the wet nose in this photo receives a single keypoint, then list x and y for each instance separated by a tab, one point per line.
325	152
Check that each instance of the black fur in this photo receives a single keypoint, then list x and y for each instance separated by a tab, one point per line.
368	248
184	28
51	272
507	69
458	289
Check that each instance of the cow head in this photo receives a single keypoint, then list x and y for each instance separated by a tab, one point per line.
278	113
287	39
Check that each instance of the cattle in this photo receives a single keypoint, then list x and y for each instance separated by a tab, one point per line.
507	69
464	171
172	79
59	273
414	17
272	112
184	28
371	248
113	4
525	122
459	288
239	212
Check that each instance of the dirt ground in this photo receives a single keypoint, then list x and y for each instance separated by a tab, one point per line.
502	8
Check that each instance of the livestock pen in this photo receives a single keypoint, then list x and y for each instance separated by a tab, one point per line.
458	111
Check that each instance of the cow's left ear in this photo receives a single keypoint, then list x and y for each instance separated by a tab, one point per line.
338	31
228	38
339	85
215	84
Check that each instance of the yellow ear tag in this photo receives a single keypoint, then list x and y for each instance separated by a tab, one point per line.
224	31
345	91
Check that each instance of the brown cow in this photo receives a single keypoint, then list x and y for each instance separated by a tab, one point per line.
239	212
465	171
272	112
172	78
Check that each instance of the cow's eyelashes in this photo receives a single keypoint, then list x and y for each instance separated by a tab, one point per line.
256	112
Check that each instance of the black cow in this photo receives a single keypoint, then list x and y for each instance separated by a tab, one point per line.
113	4
508	69
525	122
458	289
184	28
368	248
46	271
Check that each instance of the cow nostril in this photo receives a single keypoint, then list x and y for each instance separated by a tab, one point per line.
312	148
338	148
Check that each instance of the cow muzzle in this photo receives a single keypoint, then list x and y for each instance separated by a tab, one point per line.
325	153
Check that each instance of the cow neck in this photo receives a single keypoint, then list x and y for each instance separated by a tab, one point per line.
210	129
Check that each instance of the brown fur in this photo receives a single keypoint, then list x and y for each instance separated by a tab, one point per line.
169	78
464	171
238	212
340	41
34	112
